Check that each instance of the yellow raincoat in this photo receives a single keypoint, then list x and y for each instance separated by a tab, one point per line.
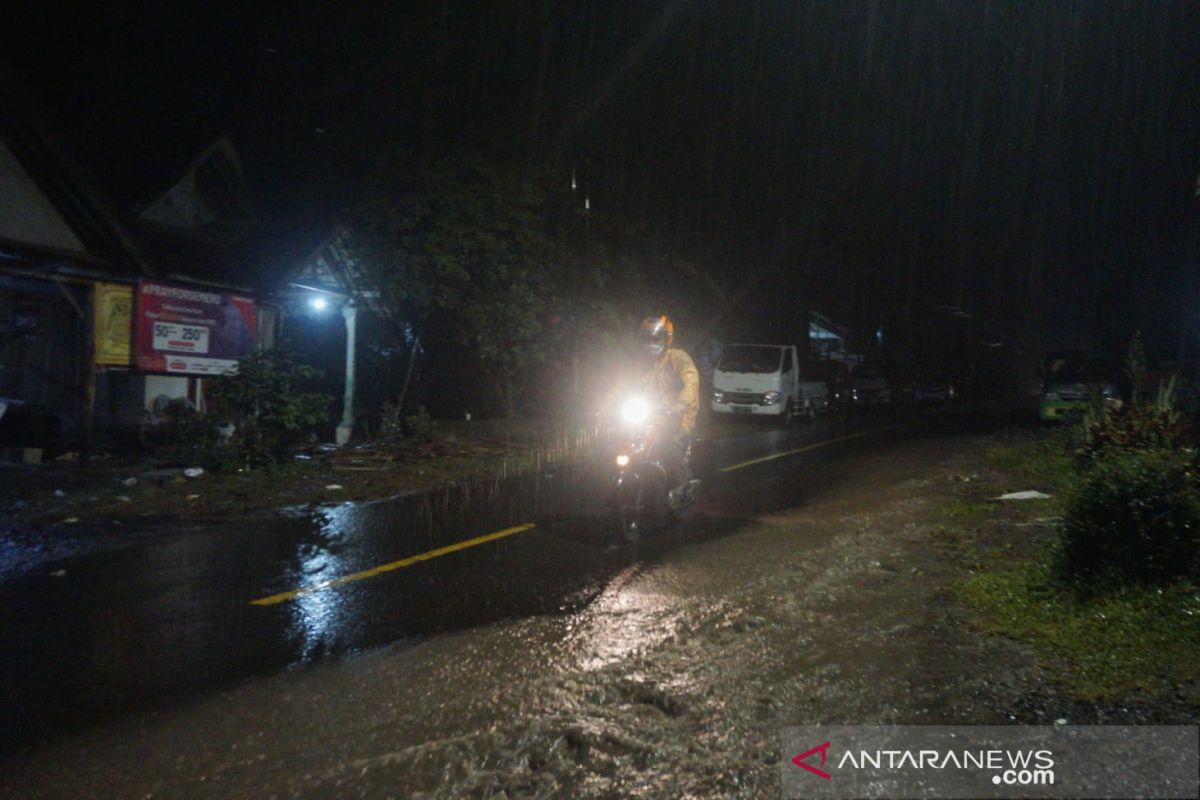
674	380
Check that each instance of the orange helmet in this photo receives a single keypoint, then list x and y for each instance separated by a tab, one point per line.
655	335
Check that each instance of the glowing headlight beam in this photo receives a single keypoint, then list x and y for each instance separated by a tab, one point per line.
635	411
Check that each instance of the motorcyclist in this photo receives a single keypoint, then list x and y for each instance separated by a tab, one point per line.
670	376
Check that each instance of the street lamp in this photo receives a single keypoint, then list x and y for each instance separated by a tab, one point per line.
319	301
346	426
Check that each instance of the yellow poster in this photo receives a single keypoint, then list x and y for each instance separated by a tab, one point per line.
113	313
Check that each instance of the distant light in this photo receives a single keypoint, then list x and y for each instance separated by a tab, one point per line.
318	303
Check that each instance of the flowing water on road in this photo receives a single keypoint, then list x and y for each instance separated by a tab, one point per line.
668	672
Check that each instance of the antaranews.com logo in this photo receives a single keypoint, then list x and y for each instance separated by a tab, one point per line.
991	761
1007	767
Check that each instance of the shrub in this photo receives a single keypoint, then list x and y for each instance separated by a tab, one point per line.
390	424
419	425
1134	518
1149	417
263	401
1136	424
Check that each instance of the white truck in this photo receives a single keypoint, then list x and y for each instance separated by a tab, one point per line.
765	380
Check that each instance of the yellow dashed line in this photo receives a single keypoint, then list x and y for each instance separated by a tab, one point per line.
282	597
404	562
787	453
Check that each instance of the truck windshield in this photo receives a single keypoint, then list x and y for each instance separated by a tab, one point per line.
1081	368
750	358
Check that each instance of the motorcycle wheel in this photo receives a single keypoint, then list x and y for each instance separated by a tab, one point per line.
630	530
631	527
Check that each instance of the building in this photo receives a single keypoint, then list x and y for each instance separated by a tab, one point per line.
102	315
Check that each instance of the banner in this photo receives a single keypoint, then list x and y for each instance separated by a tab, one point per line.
112	314
191	331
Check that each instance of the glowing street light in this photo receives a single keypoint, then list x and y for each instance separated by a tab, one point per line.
319	300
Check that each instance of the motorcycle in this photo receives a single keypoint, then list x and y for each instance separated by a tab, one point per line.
642	489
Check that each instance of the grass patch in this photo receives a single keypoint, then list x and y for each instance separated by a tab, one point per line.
1107	645
960	511
1044	462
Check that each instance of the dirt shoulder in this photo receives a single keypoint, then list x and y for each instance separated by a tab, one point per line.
157	488
113	495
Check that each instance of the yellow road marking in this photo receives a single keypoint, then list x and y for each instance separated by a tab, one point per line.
404	562
805	449
282	597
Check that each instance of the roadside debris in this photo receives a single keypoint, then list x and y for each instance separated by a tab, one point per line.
130	481
193	497
70	520
334	486
59	493
1029	494
58	573
193	472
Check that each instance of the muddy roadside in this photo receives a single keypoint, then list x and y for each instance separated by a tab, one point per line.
62	508
164	486
153	488
675	681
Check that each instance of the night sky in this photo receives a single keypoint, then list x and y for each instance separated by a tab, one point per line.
1033	162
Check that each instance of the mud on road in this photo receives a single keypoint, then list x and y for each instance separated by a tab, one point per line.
674	682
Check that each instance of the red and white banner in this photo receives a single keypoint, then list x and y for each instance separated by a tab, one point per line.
191	331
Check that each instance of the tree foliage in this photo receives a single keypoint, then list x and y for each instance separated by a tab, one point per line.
266	406
465	241
534	287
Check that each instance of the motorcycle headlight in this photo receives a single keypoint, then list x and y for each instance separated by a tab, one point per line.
623	460
635	411
771	398
719	397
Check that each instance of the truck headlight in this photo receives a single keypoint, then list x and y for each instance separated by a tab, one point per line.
718	397
771	398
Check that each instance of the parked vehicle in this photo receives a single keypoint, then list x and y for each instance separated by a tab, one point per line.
765	380
934	390
836	376
1070	377
870	387
646	469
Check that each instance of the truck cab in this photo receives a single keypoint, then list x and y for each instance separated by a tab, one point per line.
765	380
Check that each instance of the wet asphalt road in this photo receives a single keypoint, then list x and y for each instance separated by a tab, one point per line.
155	620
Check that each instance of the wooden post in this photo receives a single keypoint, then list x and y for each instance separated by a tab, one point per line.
88	415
